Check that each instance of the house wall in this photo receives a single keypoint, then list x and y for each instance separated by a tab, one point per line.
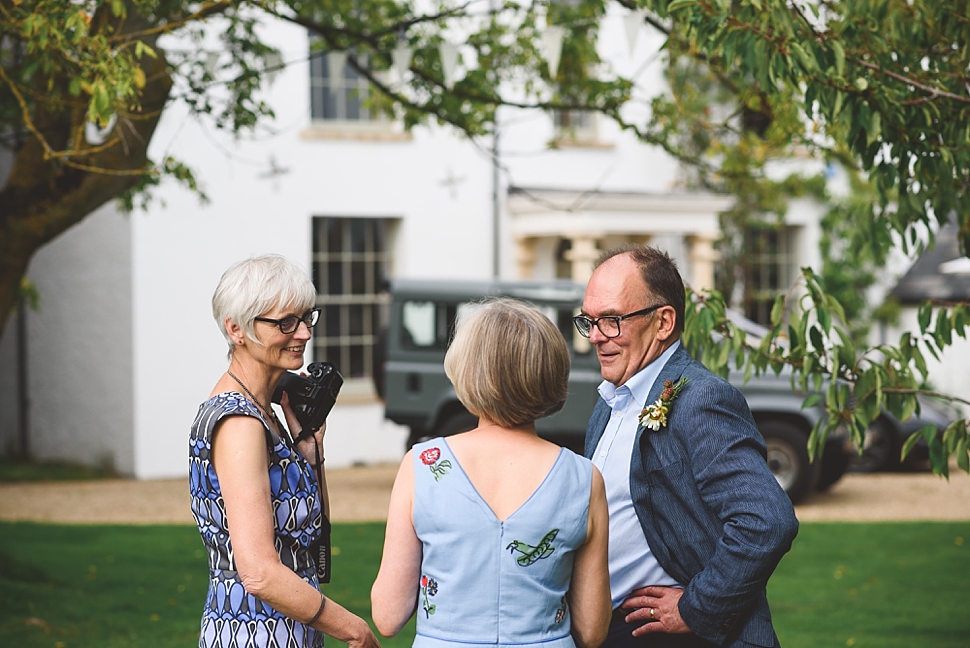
182	249
79	347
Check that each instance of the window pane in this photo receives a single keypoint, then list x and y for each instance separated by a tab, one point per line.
335	278
331	317
333	355
352	106
356	312
317	109
357	363
358	274
330	104
358	235
318	67
334	242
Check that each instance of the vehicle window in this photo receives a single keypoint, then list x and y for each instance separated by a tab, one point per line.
427	324
418	318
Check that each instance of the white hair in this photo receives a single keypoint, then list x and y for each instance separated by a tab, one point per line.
257	285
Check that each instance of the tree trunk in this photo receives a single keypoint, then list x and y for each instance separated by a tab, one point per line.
43	197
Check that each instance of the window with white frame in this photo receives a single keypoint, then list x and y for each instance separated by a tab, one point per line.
574	126
769	270
337	92
350	267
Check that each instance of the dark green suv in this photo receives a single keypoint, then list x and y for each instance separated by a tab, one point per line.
420	396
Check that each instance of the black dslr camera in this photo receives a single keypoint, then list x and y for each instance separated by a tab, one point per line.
311	397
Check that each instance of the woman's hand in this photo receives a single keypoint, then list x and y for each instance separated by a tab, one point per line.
308	446
365	637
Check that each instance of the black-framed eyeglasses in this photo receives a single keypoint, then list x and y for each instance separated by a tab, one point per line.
609	325
289	324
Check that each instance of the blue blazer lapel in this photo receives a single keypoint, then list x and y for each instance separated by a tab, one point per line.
672	371
597	425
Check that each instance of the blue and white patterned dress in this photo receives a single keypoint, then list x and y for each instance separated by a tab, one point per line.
490	582
234	618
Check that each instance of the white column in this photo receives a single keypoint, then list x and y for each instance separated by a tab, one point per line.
582	254
702	257
525	256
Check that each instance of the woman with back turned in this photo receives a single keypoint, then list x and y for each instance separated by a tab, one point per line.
495	536
255	495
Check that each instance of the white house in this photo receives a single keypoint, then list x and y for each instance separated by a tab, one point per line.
124	347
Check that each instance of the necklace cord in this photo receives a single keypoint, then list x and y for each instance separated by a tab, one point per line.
268	412
318	465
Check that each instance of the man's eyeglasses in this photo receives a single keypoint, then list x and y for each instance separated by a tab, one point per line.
290	324
609	325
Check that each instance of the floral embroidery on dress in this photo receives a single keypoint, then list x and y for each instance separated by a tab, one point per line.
429	587
561	612
531	554
438	468
654	417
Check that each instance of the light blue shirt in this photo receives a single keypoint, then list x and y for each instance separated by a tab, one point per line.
632	564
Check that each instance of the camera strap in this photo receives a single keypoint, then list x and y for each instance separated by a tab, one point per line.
320	548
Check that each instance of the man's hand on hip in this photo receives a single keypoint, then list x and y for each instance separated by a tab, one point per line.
655	607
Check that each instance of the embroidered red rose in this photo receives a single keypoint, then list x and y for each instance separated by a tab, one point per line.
424	581
430	456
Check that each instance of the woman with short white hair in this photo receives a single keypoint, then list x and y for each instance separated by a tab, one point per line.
255	497
495	536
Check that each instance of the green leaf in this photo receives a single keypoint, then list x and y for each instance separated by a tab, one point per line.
919	360
816	337
963	453
943	330
812	400
777	309
874	129
910	444
832	304
908	406
839	52
824	319
924	315
938	458
141	49
676	5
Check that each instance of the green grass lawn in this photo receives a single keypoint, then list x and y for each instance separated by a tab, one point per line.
14	470
843	584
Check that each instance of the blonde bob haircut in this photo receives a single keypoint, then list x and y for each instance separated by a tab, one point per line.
509	364
257	285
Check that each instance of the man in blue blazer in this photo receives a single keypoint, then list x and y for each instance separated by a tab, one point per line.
697	521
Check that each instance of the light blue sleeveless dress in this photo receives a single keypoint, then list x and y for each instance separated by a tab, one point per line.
490	582
232	617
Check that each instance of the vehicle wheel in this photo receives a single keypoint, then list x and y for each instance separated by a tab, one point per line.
880	449
788	459
835	463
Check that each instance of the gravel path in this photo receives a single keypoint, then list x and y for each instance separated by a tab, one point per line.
362	494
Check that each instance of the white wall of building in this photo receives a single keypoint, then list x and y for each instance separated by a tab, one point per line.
79	346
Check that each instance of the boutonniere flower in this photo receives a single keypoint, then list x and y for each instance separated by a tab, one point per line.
653	417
